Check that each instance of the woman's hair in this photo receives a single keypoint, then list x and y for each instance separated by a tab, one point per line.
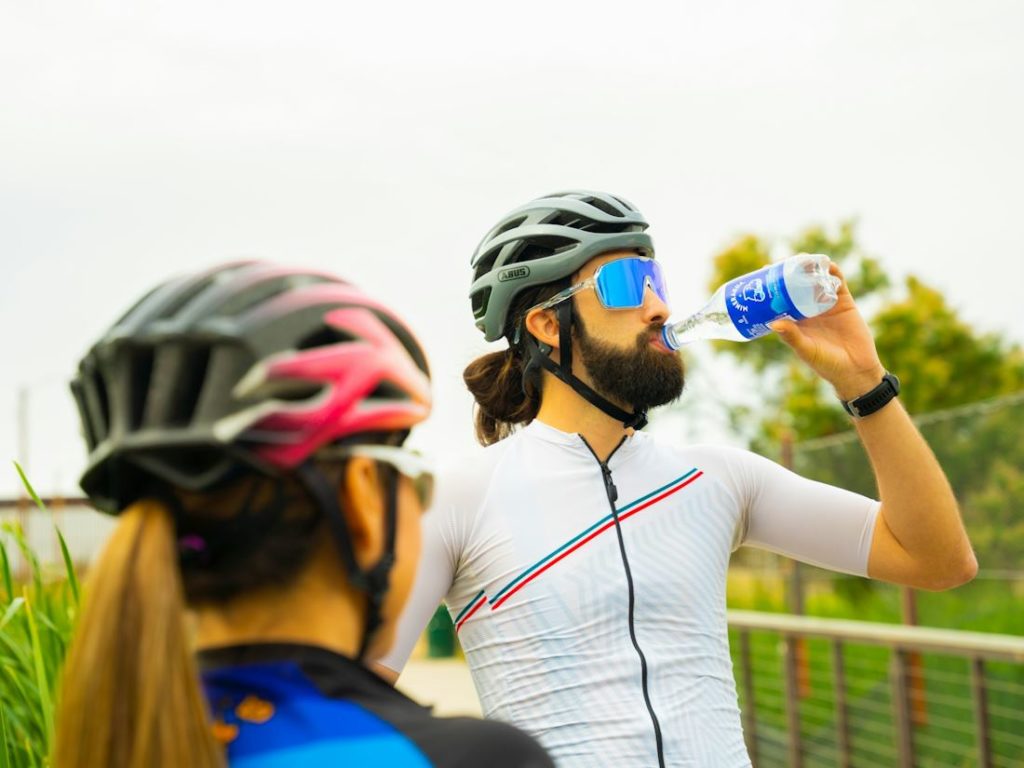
130	695
504	384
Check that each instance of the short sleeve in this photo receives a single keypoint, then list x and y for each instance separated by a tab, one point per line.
435	573
809	521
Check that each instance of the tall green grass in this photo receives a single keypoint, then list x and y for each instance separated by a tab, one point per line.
37	615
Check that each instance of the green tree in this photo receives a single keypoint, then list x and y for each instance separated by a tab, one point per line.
940	359
993	512
943	363
797	402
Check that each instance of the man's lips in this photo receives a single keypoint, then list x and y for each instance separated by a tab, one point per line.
658	342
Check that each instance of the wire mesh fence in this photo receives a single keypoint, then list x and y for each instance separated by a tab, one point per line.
863	704
820	692
980	448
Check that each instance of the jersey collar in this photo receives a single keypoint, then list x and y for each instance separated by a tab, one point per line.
332	673
538	430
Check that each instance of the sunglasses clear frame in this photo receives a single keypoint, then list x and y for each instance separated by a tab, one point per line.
415	466
593	282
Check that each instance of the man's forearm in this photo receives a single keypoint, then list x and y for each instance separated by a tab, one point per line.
918	505
919	539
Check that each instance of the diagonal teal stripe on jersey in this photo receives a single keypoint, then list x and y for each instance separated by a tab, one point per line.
540	563
469	605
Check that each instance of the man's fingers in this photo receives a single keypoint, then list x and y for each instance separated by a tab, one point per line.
791	335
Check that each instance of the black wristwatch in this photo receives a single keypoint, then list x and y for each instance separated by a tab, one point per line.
868	403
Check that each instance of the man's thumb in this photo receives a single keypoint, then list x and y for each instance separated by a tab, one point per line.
784	328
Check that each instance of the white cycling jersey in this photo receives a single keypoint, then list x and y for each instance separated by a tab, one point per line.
590	599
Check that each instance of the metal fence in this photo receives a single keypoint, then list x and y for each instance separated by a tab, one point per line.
829	692
858	694
84	530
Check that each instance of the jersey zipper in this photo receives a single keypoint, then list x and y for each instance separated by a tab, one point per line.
613	494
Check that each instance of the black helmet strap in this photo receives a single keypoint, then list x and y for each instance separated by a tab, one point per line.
373	581
540	354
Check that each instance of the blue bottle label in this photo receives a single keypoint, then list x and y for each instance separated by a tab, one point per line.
757	299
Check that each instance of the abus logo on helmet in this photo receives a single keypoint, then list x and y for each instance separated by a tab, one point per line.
513	273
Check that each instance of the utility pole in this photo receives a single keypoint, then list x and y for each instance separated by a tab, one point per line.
23	427
23	502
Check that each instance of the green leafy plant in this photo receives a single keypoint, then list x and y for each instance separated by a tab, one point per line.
37	615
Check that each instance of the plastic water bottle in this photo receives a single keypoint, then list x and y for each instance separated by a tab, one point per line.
797	288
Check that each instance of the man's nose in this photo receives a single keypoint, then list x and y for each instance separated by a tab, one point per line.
655	310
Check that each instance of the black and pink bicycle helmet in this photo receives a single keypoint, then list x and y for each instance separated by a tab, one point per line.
247	364
249	367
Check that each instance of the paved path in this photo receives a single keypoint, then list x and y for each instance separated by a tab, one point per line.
444	684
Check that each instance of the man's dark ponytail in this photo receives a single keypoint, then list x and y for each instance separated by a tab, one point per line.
507	391
502	403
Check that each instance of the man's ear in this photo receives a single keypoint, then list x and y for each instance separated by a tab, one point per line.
542	324
362	505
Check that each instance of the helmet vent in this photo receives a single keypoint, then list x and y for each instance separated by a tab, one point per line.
479	301
604	206
93	406
140	371
542	247
291	390
508	225
486	264
194	362
387	391
102	429
324	336
573	221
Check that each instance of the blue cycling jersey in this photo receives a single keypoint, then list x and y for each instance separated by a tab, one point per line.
301	706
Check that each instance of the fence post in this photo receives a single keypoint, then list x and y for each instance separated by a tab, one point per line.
750	710
901	707
796	586
981	712
792	700
918	697
842	717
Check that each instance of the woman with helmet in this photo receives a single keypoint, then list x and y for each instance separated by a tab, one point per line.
246	424
583	561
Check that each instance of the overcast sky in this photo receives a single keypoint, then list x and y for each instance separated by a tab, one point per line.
380	141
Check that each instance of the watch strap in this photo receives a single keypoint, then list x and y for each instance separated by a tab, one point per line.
873	401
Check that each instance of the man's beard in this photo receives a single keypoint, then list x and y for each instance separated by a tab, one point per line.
641	377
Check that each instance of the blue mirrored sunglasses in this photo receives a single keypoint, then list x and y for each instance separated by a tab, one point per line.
619	284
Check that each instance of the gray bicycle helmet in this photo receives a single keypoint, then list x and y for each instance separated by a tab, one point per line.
545	240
